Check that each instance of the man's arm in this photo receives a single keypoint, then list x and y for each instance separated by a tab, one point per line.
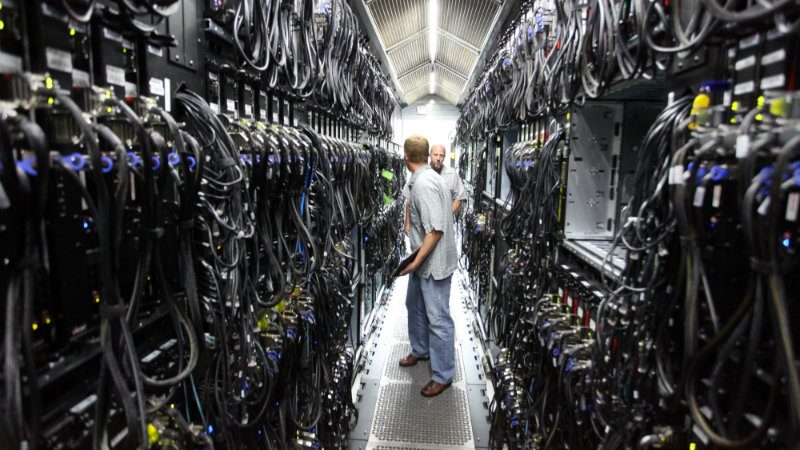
408	218
428	244
459	194
455	206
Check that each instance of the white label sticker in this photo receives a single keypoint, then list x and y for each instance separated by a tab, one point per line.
580	312
132	187
81	406
592	325
116	440
248	109
10	63
156	86
699	196
569	301
115	75
58	59
727	98
168	345
764	207
155	51
717	198
791	206
275	117
230	105
744	88
742	146
112	35
772	58
749	42
80	78
82	177
744	63
676	175
131	90
700	434
773	82
151	356
214	107
167	94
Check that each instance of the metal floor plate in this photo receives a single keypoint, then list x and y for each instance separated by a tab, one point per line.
403	415
419	374
399	417
401	332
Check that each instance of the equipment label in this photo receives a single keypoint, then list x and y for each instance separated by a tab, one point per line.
80	78
10	63
115	75
156	86
58	59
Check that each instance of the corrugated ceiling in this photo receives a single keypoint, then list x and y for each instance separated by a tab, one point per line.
403	28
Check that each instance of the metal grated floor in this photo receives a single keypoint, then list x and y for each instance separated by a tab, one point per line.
392	447
405	415
397	416
401	333
419	374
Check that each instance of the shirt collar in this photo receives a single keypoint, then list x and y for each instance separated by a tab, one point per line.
416	174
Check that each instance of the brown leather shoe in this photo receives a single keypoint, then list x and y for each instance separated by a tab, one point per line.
411	360
433	388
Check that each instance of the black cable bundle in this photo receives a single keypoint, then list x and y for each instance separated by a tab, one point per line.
651	280
23	199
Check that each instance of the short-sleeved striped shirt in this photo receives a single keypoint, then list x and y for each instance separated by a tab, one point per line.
430	203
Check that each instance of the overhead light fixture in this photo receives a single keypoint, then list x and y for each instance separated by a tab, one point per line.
433	82
433	27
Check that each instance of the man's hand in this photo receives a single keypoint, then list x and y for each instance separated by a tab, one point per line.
428	244
455	206
410	268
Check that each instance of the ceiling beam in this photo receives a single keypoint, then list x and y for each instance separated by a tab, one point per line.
368	24
487	49
414	69
459	41
451	70
407	40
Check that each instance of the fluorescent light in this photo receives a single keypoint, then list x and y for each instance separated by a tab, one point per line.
433	27
433	82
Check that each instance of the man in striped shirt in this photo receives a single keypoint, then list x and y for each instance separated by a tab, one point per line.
430	326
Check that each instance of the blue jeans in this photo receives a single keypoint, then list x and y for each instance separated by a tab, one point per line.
430	327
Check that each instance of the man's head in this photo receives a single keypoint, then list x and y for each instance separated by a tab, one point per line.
415	150
437	157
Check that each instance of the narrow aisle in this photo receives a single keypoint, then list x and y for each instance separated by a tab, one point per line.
392	412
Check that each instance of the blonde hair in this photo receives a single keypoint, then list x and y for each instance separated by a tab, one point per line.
416	148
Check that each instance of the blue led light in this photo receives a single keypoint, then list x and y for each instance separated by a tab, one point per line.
85	224
210	429
787	242
108	164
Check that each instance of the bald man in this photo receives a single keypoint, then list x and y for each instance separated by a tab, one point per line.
451	179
